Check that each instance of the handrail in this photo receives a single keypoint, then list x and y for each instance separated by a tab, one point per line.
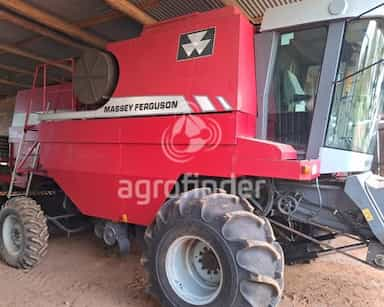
21	158
45	105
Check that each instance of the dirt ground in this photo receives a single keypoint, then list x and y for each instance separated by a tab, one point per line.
79	272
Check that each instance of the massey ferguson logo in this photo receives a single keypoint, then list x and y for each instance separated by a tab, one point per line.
136	107
196	44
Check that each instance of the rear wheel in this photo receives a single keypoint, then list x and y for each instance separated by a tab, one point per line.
209	249
194	270
23	233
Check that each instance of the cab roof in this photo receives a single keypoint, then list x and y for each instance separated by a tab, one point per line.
314	11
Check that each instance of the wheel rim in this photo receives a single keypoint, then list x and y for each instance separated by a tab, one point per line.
194	270
12	234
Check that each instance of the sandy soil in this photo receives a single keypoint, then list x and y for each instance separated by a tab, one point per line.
79	272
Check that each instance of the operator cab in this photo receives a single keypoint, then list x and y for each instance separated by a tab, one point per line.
323	90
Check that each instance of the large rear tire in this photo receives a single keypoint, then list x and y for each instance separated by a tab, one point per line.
23	233
209	249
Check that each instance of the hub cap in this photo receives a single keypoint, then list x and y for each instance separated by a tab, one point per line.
12	233
194	270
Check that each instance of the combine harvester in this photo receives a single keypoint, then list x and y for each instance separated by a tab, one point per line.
290	110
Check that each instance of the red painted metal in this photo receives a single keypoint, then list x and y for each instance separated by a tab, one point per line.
148	64
5	178
131	149
93	160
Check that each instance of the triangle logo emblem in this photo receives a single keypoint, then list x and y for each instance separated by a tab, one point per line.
196	44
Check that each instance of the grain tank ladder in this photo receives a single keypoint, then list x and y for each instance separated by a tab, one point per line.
27	163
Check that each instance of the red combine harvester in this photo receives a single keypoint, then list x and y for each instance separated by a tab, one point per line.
236	149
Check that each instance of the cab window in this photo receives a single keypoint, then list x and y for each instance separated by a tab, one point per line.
295	85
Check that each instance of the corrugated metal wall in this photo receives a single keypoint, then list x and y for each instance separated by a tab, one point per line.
173	8
165	9
257	8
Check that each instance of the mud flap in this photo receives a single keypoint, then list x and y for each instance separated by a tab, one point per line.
367	191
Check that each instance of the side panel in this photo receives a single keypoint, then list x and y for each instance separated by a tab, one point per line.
112	167
128	166
367	192
342	161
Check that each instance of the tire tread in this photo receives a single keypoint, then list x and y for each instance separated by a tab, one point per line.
229	212
35	230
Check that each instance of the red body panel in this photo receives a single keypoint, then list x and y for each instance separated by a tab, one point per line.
149	66
90	159
90	166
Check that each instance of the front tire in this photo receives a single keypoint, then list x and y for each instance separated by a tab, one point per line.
23	233
209	249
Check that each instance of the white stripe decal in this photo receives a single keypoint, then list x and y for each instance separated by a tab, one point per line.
19	119
224	103
205	103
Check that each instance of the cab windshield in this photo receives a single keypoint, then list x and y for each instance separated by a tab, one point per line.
358	98
295	85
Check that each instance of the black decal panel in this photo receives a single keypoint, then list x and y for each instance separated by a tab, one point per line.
196	44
